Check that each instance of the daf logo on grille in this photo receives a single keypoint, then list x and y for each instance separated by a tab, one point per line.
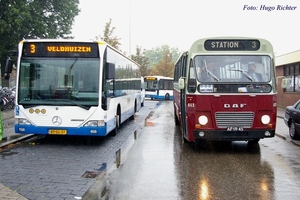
234	105
56	120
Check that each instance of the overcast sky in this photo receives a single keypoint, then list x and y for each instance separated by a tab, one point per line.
177	23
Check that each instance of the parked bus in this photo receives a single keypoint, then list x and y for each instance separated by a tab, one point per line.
158	87
143	92
215	95
67	87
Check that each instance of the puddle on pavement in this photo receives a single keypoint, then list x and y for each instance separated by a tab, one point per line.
149	123
90	174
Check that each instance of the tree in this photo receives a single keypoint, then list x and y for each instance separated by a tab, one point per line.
108	35
155	54
28	19
141	59
165	66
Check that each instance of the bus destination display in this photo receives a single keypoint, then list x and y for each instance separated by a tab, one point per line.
232	45
60	49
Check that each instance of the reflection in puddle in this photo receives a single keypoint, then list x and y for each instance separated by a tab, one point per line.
148	123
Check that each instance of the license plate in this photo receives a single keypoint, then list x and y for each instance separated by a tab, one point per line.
57	132
235	128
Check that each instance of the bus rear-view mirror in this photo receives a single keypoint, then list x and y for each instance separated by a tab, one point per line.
9	65
110	70
181	83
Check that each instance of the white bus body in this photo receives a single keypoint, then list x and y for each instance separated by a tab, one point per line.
67	87
158	87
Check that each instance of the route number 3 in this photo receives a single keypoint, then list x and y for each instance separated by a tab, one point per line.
32	48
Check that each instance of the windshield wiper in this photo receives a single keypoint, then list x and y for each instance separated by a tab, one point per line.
243	72
76	104
64	100
214	76
29	105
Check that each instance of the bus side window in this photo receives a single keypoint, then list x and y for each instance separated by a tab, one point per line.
192	79
192	85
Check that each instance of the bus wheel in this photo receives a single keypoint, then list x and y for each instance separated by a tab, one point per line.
176	119
142	104
184	140
116	130
135	109
167	97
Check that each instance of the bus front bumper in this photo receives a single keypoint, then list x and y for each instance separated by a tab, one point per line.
233	135
45	130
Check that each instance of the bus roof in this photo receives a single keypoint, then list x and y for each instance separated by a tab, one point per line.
63	40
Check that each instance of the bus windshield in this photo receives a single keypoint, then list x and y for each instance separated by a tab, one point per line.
64	81
151	84
233	68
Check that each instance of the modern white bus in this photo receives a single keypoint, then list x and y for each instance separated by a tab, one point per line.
67	87
158	87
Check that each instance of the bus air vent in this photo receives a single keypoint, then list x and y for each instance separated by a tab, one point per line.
234	119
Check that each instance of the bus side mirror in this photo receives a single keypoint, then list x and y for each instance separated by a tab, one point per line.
110	70
9	65
181	83
284	83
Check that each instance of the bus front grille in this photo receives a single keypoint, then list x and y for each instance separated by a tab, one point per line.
234	119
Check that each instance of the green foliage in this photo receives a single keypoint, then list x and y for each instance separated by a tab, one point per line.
165	66
155	54
141	59
28	19
161	60
157	61
108	35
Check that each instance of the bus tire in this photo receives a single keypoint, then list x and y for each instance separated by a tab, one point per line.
184	140
176	120
142	104
167	96
135	109
116	130
118	122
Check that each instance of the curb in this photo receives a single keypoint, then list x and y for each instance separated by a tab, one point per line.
4	144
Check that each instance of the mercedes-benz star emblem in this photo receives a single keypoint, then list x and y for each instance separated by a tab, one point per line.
56	120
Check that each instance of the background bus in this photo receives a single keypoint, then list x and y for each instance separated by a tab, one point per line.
67	87
215	95
158	87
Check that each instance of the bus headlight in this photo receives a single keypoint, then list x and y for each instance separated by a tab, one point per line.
265	119
95	123
202	120
22	121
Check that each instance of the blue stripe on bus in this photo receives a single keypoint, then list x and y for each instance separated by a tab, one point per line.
44	130
159	97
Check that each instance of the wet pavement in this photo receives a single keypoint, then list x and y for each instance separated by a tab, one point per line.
64	167
10	136
159	166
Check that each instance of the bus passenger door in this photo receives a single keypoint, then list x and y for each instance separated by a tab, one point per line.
183	99
108	85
